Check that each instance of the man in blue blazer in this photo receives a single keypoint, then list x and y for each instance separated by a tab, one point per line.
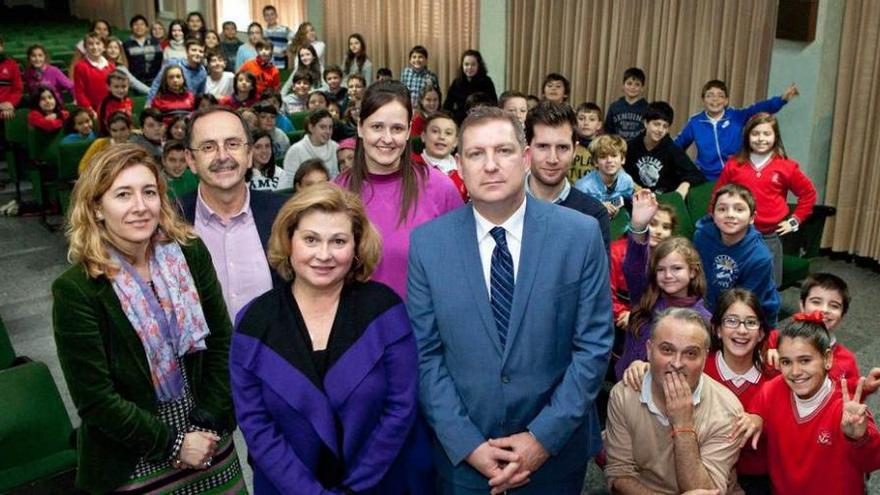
510	302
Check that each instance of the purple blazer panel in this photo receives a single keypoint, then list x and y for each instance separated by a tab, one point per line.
361	415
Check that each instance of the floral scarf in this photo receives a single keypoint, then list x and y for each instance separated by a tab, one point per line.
170	325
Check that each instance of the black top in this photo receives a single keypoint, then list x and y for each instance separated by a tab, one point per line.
588	205
459	91
661	169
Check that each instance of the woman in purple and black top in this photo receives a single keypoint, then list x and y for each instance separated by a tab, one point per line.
324	368
400	192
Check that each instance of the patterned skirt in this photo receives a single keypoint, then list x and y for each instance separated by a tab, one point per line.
222	477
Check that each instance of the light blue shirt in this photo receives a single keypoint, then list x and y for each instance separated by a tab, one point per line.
195	78
593	185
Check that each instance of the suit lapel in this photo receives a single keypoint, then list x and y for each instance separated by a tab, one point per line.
473	271
533	242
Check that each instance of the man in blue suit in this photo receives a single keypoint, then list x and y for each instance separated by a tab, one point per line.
510	303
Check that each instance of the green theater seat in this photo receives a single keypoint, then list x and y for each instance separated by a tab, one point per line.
35	431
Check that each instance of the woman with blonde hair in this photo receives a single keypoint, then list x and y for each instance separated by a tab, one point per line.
143	335
324	368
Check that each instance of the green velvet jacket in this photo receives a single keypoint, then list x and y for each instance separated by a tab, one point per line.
106	370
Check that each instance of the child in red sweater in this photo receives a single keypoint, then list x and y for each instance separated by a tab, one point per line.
820	440
46	113
762	167
10	86
263	69
116	101
829	294
173	98
90	75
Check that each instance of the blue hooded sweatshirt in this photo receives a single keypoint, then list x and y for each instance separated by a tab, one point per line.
747	264
717	141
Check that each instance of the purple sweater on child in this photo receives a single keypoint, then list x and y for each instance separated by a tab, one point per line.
382	196
49	76
635	265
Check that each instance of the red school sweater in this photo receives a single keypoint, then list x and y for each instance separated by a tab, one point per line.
90	84
811	455
618	281
843	363
770	187
171	104
751	461
111	105
37	120
10	81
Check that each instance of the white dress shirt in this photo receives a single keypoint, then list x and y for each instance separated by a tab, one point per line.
513	228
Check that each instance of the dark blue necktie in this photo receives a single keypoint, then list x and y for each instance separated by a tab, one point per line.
501	283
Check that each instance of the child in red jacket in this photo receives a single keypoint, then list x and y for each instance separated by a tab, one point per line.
90	75
262	68
762	167
46	113
173	98
116	101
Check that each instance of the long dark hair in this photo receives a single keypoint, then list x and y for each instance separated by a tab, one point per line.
267	169
183	27
743	156
360	58
163	84
481	66
376	96
38	94
200	34
727	299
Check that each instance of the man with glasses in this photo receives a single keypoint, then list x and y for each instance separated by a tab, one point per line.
233	221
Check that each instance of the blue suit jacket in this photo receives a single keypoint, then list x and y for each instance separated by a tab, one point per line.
546	378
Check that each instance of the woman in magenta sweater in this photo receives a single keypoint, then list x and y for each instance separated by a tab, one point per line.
399	191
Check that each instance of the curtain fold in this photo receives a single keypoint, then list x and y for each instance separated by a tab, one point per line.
680	44
853	185
392	27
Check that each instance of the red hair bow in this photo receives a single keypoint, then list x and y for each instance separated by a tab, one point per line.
814	317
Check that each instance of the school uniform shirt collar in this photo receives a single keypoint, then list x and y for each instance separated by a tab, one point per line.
752	376
806	407
562	196
100	64
647	398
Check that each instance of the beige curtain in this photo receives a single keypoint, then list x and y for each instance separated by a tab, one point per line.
392	27
853	174
291	13
680	44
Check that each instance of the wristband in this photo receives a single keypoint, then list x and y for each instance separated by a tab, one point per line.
638	232
676	431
